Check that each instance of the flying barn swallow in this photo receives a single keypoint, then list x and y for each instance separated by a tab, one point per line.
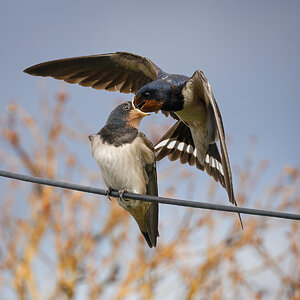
193	138
126	160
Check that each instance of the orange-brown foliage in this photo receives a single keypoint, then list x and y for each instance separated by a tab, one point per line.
61	244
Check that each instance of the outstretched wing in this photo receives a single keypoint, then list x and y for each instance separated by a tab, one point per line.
197	87
120	71
199	84
178	143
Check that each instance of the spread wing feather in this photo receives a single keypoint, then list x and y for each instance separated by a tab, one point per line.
120	71
199	88
178	143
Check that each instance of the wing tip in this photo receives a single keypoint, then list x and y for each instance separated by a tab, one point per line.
28	71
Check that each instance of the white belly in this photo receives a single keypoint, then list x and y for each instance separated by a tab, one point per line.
122	168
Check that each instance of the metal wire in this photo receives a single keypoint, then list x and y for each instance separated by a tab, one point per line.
170	201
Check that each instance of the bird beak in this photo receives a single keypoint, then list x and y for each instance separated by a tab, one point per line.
91	136
141	113
135	116
150	105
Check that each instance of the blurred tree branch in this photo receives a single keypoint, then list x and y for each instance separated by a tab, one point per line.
58	244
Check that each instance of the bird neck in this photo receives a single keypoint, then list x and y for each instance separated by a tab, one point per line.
118	136
175	99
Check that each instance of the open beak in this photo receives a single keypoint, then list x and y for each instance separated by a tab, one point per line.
150	105
143	114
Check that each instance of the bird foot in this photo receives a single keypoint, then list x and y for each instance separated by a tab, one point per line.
108	191
121	193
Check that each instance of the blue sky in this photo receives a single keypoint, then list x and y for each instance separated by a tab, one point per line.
249	51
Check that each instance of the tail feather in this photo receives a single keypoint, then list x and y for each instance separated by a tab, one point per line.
147	238
152	224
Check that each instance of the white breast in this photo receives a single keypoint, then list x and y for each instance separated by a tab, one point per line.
121	167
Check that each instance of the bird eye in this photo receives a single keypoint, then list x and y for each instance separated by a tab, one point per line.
126	107
146	95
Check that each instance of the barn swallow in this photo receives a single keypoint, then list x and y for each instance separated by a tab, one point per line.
192	139
126	160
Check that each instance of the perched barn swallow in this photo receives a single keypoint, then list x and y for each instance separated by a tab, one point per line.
190	100
126	159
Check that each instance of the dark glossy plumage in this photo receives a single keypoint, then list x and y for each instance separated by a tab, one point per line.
121	71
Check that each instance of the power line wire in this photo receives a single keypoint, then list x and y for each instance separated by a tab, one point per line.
170	201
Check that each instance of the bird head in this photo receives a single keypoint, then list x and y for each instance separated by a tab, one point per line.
150	98
126	115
